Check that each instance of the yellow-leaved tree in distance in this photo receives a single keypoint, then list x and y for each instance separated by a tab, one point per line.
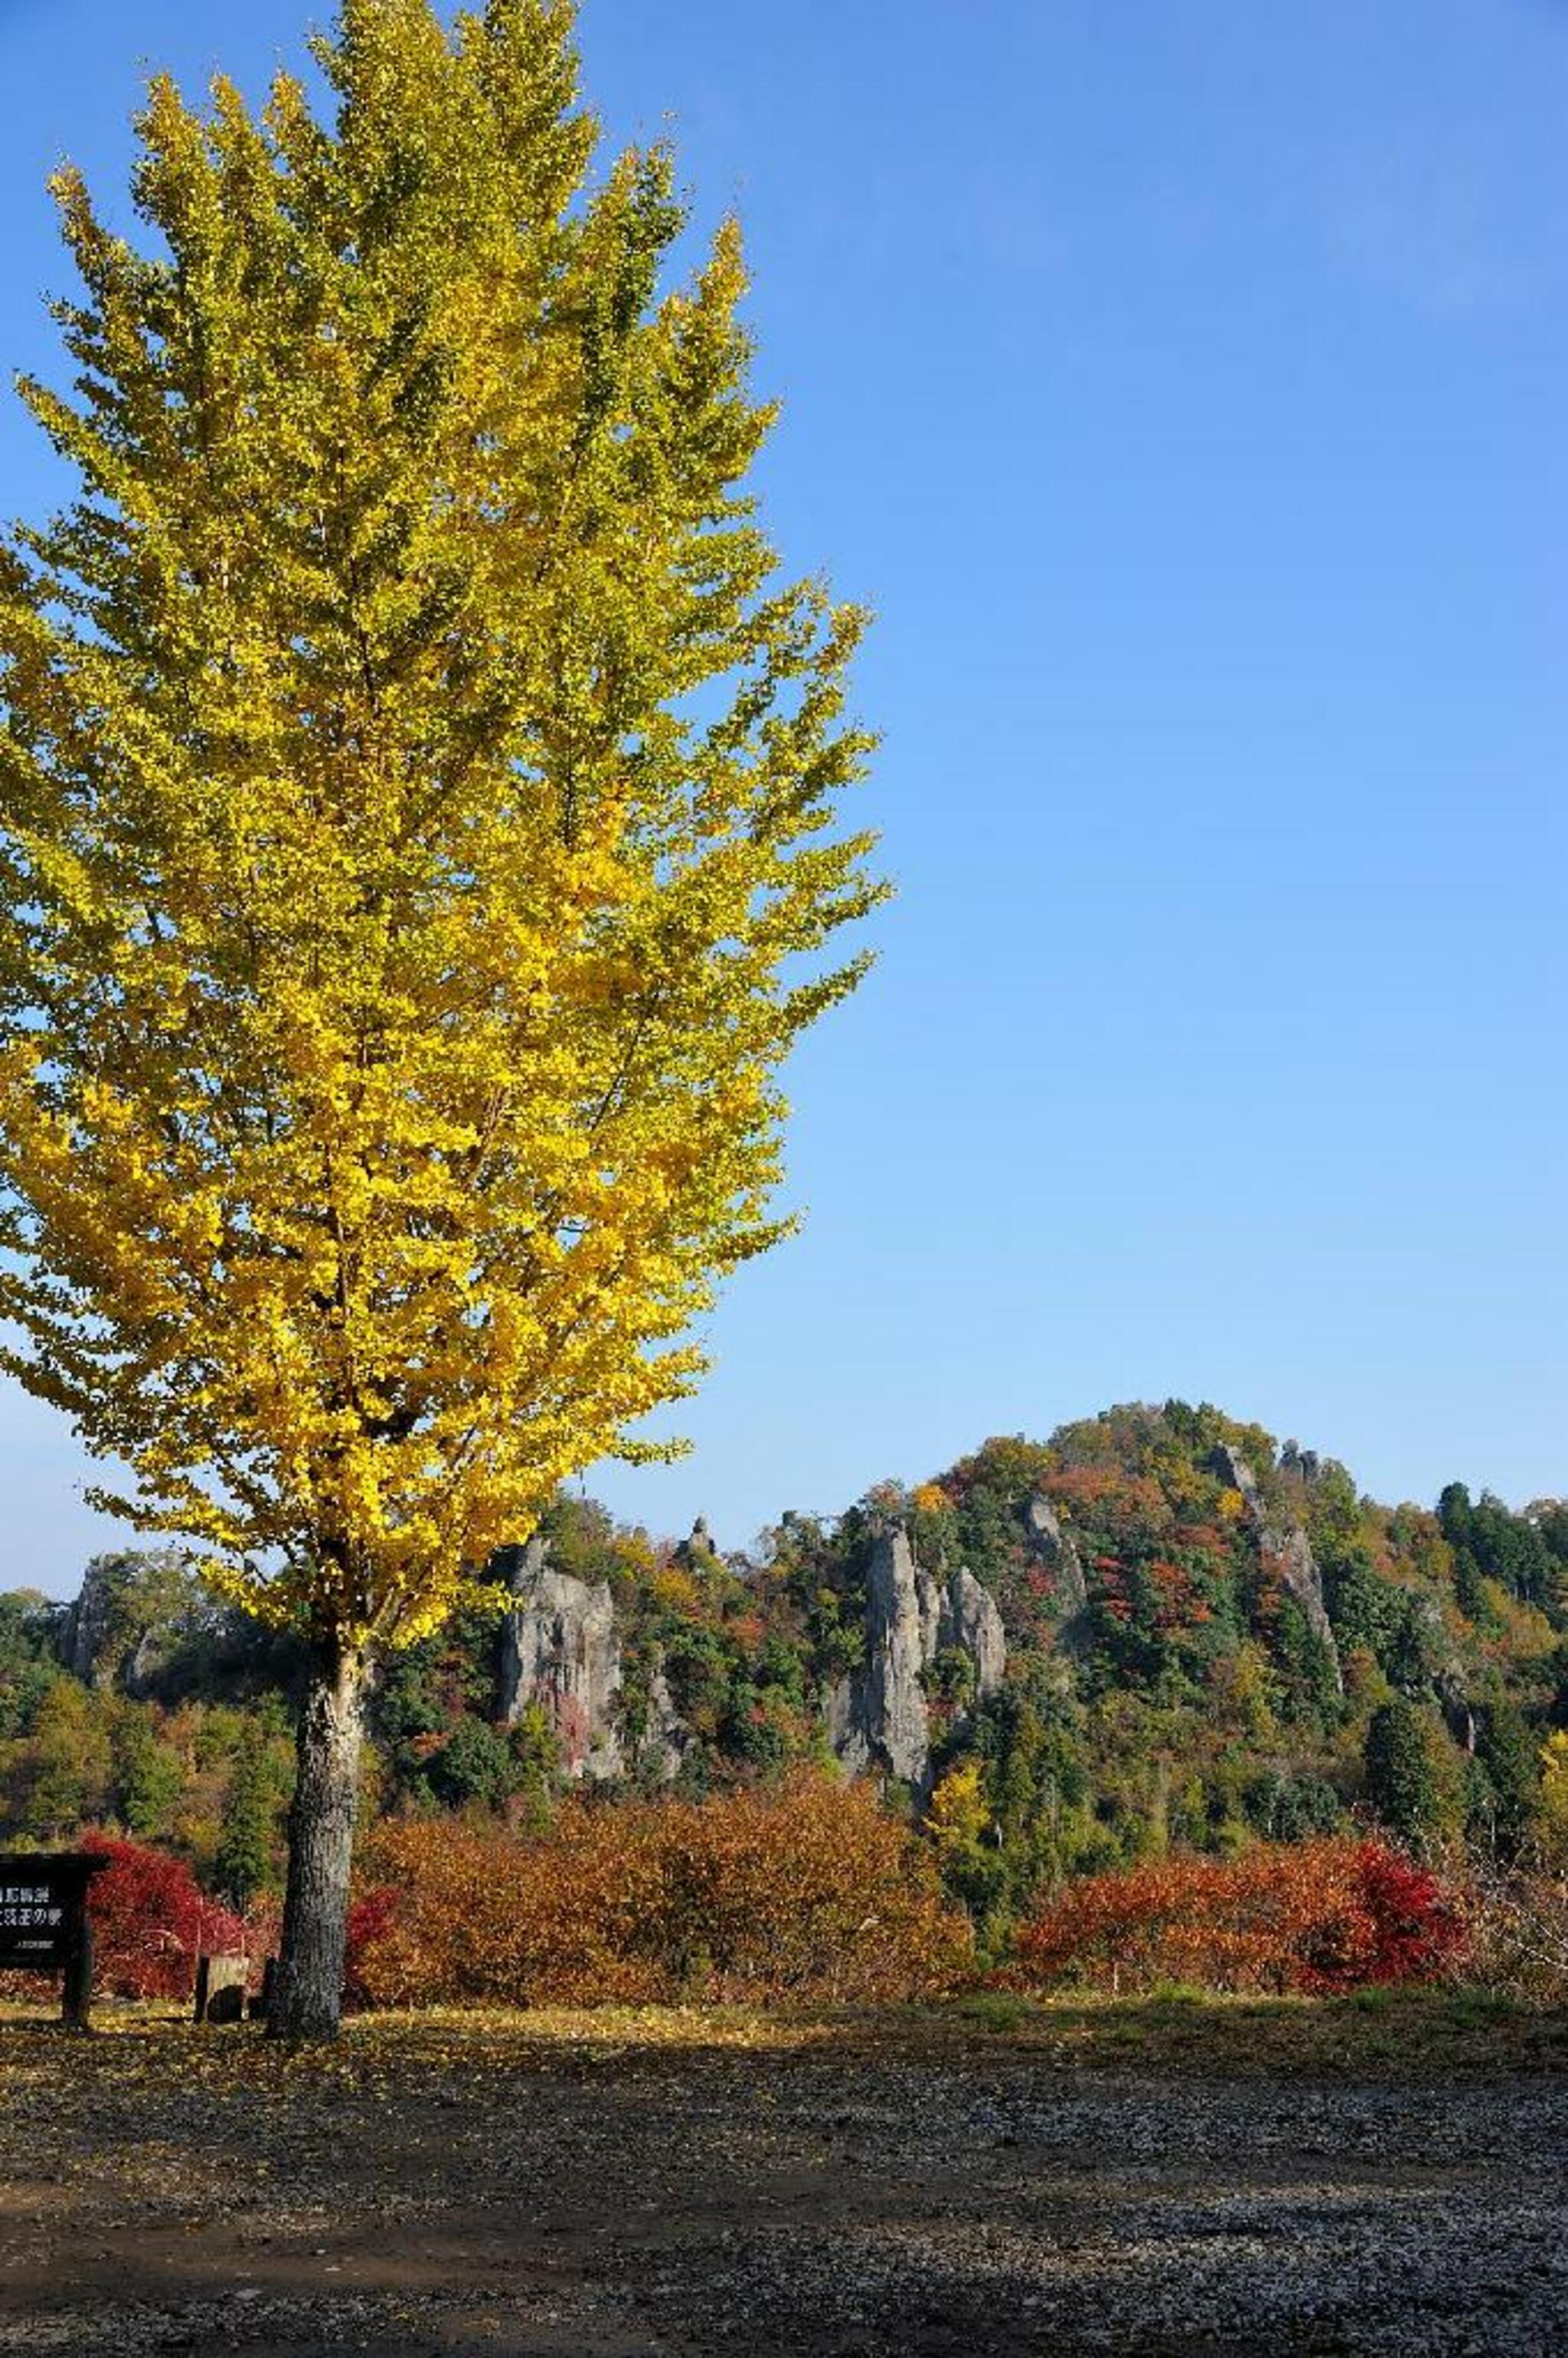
416	802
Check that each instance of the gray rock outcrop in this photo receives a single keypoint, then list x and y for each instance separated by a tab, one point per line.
698	1550
1055	1547
1284	1547
90	1620
665	1739
142	1669
1229	1466
887	1720
134	1612
969	1623
560	1651
880	1717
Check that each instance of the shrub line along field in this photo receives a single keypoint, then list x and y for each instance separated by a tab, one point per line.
991	2176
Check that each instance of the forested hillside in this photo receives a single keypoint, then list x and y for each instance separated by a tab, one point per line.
1175	1633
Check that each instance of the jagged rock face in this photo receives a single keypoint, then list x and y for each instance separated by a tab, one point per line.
1057	1549
699	1548
114	1633
969	1623
666	1739
559	1651
1284	1547
1236	1473
137	1614
140	1672
879	1716
89	1619
901	1630
1290	1552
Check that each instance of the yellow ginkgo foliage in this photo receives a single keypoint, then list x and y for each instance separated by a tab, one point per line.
417	831
960	1816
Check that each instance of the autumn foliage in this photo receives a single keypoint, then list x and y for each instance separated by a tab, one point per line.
1312	1917
151	1920
809	1893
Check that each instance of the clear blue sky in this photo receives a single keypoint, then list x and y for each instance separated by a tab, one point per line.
1184	386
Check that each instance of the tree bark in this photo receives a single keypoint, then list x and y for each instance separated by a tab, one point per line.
308	1993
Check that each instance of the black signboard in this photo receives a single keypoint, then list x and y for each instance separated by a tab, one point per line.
43	1920
34	1916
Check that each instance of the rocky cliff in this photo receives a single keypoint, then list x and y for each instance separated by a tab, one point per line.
128	1621
880	1717
1283	1547
1056	1550
931	1643
86	1626
560	1652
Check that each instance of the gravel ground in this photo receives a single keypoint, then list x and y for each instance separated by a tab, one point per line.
438	2189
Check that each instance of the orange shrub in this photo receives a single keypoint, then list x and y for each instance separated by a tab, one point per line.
1336	1914
809	1893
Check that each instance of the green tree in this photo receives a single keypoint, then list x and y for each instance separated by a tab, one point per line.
1510	1755
28	1665
1307	1668
70	1760
418	844
1291	1808
1411	1774
1492	1544
475	1764
244	1865
149	1775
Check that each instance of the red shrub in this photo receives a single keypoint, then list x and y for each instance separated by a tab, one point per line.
371	1914
1312	1917
150	1921
1417	1928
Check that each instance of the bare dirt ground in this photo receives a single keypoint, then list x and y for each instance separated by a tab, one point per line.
1156	2179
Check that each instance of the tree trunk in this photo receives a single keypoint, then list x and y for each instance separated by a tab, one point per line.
308	1991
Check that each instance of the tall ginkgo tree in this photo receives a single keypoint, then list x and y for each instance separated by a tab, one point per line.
418	801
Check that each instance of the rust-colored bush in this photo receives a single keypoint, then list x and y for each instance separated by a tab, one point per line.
1312	1916
809	1893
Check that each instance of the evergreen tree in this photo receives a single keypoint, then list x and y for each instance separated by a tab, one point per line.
247	1837
1510	1755
1410	1773
475	1764
148	1776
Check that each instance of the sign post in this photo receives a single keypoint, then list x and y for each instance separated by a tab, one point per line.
43	1923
